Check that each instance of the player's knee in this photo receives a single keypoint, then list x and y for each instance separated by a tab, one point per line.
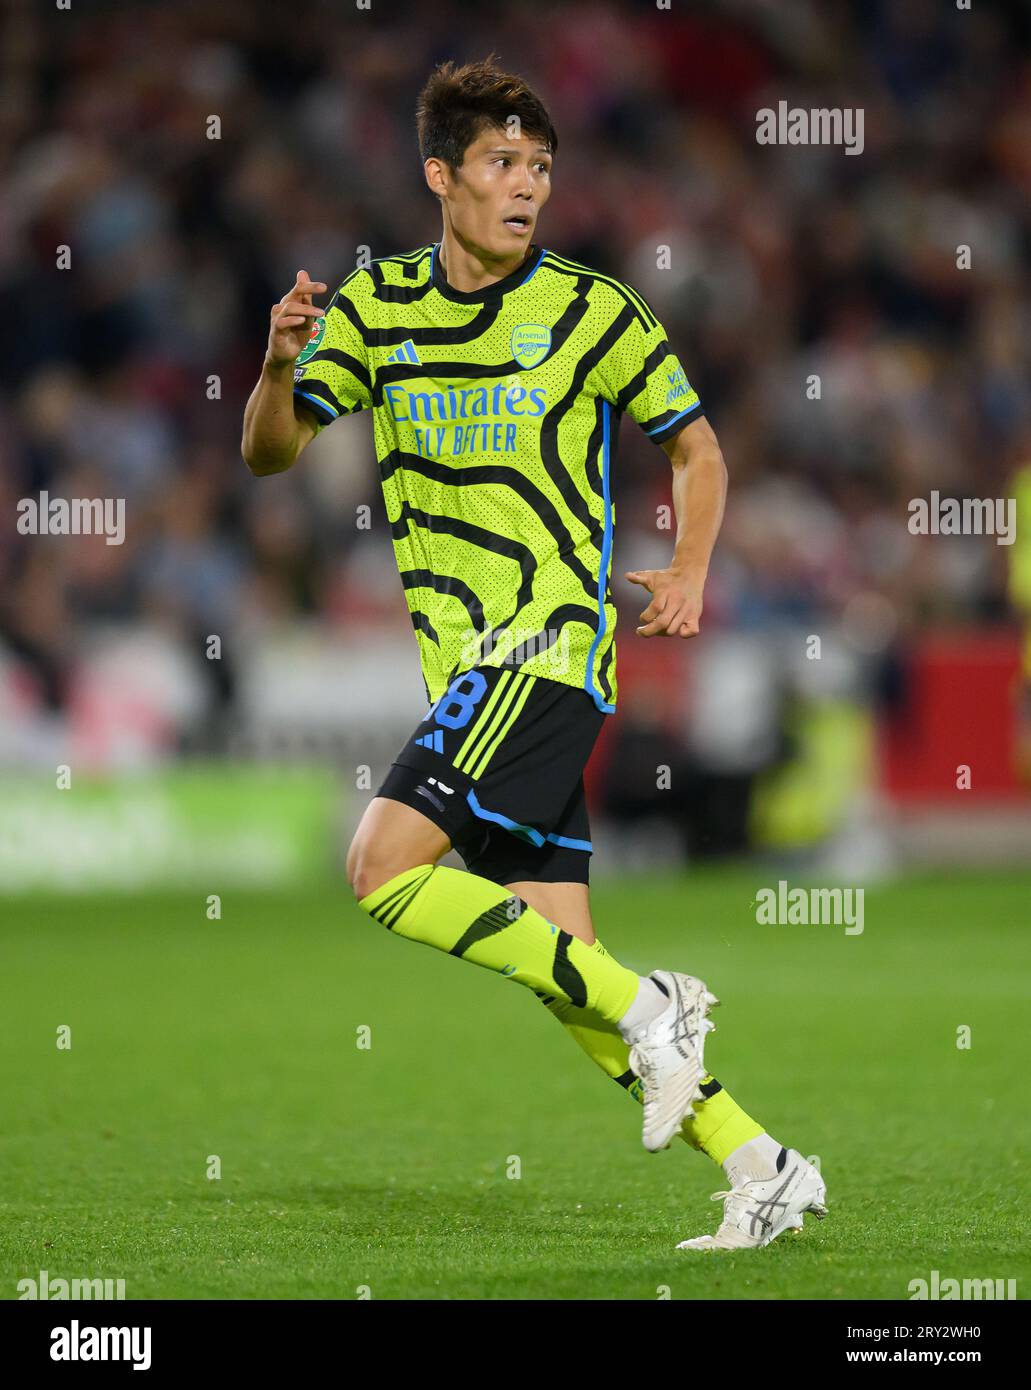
368	870
360	874
364	879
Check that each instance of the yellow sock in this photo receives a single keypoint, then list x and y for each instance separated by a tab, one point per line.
482	922
718	1125
602	1042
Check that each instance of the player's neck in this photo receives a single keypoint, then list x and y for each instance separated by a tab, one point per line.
466	270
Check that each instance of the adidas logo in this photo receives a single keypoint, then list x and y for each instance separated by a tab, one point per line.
435	741
405	353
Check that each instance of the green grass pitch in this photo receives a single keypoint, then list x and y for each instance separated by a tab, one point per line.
387	1167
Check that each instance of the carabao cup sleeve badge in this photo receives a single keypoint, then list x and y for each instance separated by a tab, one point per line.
311	346
530	343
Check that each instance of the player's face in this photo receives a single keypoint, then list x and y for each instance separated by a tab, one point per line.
495	198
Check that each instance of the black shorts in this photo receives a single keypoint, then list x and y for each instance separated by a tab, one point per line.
498	764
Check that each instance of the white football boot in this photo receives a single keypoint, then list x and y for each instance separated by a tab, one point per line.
666	1053
760	1209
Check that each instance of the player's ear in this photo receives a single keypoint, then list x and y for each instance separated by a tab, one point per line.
436	176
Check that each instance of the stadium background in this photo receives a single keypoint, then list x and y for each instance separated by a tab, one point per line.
242	775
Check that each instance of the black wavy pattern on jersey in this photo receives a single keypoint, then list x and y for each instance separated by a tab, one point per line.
557	470
319	388
633	298
450	585
387	293
662	422
545	639
476	535
452	335
392	372
349	309
595	442
637	383
605	670
479	323
462	334
501	545
608	658
345	360
508	477
410	263
421	623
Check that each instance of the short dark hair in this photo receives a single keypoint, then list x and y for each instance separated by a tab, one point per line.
458	103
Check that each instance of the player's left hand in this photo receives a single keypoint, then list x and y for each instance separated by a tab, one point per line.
676	606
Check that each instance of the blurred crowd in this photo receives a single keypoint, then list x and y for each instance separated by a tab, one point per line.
126	372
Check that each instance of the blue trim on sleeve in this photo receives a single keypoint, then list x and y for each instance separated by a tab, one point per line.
657	429
603	568
321	404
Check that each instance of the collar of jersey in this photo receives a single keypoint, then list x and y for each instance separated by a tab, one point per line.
489	292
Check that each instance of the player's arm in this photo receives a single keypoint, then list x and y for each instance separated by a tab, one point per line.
275	427
699	493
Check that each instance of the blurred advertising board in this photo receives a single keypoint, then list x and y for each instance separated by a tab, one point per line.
209	827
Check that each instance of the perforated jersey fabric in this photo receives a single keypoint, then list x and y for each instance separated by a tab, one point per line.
495	415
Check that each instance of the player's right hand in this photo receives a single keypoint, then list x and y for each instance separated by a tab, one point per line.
293	320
